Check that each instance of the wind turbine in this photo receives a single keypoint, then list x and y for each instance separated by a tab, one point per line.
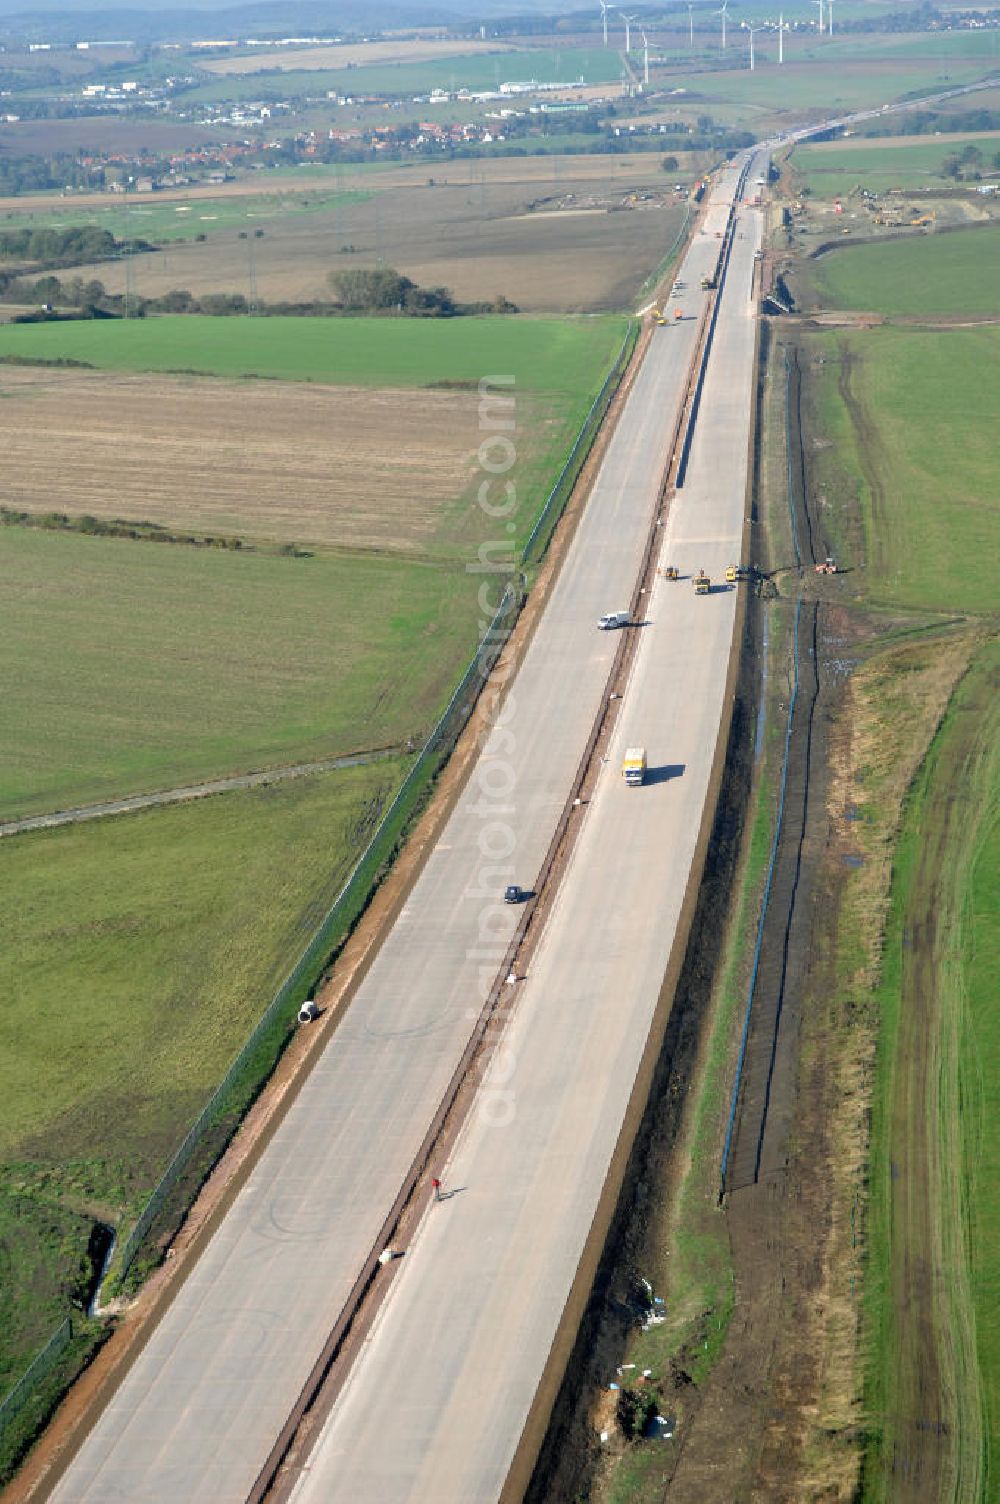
782	27
722	13
752	30
645	56
628	32
820	4
605	7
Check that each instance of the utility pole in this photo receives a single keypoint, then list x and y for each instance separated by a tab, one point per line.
128	309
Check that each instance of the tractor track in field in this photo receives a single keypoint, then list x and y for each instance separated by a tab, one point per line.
137	802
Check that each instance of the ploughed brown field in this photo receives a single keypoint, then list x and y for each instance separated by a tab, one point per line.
550	235
292	463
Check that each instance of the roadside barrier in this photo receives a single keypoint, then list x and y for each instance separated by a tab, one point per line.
779	818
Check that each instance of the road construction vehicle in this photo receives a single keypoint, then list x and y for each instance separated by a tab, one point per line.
828	566
669	572
707	283
736	572
634	766
658	317
702	584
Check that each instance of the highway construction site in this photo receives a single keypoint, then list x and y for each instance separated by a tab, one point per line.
776	1410
774	1193
675	447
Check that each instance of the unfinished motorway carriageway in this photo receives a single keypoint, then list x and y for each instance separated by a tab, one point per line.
445	1400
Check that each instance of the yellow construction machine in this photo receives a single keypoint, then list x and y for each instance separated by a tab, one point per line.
702	584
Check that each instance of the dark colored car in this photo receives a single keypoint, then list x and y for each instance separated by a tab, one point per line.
513	894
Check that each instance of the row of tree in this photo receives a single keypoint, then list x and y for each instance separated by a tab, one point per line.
967	165
932	123
71	245
380	290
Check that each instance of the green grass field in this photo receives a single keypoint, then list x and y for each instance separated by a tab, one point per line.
835	168
131	667
404	80
859	84
156	938
936	1143
561	355
926	274
914	452
159	220
979	964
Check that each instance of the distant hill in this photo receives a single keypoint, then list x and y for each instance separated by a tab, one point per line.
150	19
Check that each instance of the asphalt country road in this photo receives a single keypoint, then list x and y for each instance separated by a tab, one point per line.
196	1416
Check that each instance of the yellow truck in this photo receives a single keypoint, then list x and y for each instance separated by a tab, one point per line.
634	766
702	583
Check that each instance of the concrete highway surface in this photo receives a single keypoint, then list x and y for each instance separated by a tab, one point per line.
196	1416
435	1405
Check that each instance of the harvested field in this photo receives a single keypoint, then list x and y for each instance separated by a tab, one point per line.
474	234
598	167
305	464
